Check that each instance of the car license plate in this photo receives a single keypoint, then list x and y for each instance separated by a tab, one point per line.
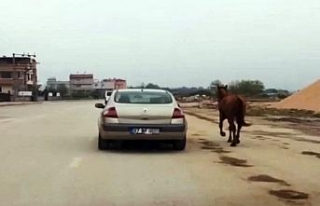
145	131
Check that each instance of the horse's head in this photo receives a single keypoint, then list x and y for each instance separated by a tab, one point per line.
222	91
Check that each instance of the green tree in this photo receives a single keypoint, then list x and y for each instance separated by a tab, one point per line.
283	93
62	89
152	86
213	86
215	83
271	90
51	88
247	87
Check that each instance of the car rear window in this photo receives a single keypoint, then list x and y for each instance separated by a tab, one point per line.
143	97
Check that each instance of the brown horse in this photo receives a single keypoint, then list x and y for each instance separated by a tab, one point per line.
233	108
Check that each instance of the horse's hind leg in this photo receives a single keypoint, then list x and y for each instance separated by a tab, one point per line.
239	122
221	119
232	129
230	133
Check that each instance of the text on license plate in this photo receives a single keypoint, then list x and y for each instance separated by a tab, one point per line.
145	131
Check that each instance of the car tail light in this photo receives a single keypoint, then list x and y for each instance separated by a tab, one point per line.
111	112
177	113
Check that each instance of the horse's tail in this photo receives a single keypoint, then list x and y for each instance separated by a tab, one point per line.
242	112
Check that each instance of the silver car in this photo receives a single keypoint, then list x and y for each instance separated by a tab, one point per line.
142	114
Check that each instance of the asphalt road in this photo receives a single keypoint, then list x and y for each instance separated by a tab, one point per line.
49	156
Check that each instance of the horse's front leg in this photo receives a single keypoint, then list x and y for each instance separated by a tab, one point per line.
221	119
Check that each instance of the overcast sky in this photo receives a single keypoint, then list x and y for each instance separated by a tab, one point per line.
169	42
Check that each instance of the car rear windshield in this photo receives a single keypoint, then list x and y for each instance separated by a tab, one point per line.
143	97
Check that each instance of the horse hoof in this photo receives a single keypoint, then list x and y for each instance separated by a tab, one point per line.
223	134
229	140
238	141
233	145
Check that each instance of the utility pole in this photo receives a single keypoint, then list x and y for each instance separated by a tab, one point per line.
15	90
34	79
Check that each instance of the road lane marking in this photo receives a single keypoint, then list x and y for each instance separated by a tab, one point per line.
75	162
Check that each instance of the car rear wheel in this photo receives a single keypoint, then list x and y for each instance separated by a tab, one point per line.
180	144
103	144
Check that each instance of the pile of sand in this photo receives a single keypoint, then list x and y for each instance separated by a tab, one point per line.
307	98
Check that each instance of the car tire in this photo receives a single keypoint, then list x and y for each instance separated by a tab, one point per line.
103	144
180	144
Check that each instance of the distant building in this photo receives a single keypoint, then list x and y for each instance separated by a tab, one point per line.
81	82
100	87
107	84
54	84
120	84
104	85
17	74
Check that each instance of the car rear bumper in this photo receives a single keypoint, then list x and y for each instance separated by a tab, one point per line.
122	132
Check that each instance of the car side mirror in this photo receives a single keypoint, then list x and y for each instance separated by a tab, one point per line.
99	105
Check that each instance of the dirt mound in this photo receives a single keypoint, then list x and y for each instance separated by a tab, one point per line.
307	99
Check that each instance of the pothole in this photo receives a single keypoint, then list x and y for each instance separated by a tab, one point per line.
220	151
209	143
207	147
311	153
234	161
267	178
289	194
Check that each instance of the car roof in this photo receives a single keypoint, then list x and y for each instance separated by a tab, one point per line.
143	90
